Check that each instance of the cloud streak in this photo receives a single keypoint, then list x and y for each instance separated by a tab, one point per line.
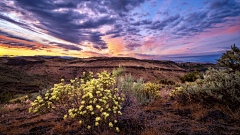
139	28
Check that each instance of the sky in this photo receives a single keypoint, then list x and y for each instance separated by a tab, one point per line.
176	30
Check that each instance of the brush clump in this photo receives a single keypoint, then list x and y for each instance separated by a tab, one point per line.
191	76
92	102
144	93
152	89
217	85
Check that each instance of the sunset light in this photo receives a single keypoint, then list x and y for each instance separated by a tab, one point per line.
195	31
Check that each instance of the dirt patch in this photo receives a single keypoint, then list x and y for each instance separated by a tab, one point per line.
163	116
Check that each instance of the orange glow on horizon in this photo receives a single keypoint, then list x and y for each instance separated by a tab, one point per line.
23	52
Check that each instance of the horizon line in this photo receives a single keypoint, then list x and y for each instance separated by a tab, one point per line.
69	57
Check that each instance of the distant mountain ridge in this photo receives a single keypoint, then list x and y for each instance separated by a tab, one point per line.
68	57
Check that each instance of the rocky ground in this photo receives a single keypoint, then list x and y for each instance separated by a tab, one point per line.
163	117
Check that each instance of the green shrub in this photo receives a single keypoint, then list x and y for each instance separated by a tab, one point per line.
177	84
151	90
92	103
143	93
118	72
125	84
218	85
231	59
137	89
191	77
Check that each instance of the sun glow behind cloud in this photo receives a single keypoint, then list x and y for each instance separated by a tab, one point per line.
146	29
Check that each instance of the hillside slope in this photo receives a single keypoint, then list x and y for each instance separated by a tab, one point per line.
36	73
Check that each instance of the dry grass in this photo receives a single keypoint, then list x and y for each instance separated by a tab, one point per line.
150	131
163	117
5	108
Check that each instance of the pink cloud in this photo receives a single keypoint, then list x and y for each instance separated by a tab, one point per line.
226	28
233	29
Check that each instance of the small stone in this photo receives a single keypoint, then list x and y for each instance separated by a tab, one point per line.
28	101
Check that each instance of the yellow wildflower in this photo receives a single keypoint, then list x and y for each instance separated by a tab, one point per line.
119	112
35	111
30	110
83	102
117	129
65	117
98	92
34	104
98	118
39	98
110	124
98	106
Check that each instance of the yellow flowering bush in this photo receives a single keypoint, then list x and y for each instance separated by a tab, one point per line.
151	89
93	102
145	93
175	92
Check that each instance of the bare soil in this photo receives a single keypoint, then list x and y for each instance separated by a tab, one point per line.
163	117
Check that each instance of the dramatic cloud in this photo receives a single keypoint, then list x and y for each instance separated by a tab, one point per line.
154	29
132	46
202	21
16	42
161	24
68	47
96	38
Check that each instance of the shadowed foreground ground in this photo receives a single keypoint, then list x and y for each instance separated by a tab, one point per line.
164	116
